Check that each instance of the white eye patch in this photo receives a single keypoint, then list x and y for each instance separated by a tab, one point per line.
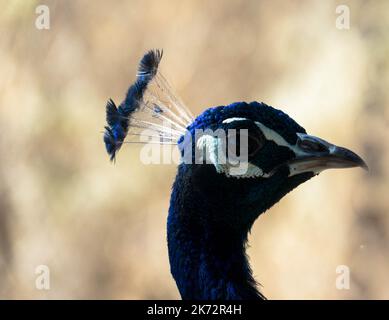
278	139
214	153
271	135
212	146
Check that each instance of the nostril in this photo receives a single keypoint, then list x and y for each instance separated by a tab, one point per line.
312	146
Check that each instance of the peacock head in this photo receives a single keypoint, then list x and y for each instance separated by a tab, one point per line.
258	149
237	161
248	153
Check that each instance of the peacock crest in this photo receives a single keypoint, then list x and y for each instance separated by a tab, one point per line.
150	112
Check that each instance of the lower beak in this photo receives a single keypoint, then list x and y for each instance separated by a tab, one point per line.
335	158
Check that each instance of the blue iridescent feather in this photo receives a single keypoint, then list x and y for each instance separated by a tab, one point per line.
118	118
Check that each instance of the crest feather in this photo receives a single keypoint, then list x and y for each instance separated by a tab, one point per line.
149	104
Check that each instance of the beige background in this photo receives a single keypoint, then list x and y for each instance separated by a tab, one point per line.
101	227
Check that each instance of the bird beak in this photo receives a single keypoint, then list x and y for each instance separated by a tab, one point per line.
315	155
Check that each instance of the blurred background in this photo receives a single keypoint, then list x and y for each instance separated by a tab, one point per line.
100	228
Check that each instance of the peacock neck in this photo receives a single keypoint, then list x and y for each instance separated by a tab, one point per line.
207	252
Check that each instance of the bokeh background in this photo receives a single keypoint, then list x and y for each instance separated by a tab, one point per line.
100	227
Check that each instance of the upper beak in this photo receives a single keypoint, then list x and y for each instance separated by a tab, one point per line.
318	155
341	157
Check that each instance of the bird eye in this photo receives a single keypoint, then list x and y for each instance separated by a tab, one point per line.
254	145
255	142
312	146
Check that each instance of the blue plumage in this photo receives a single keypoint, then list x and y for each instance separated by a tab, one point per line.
209	219
210	214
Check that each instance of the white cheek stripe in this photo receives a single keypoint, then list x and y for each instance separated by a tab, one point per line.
275	137
270	135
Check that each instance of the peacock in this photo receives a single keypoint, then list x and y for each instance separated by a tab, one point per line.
217	194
